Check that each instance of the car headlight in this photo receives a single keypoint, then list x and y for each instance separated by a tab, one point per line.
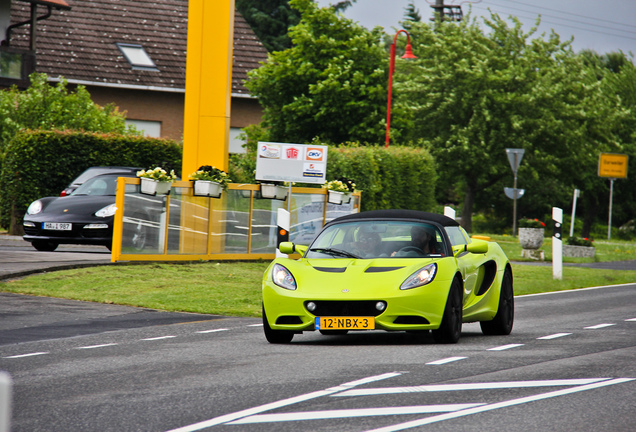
35	207
283	278
421	277
107	211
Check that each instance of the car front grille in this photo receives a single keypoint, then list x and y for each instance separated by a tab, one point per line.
346	308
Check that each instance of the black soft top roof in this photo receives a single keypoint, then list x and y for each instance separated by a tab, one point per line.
398	214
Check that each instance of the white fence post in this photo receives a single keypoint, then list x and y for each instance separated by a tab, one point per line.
5	401
557	243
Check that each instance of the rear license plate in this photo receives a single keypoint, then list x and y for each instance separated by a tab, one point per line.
55	226
345	323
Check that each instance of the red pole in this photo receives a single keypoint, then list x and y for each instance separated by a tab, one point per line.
388	106
407	55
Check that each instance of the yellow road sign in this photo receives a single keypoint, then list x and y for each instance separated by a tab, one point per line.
612	165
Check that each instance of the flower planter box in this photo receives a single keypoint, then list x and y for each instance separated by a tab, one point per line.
531	238
154	187
578	251
272	191
207	188
338	197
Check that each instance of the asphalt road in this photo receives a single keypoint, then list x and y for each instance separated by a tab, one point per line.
568	365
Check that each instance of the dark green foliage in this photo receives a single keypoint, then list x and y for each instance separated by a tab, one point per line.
42	163
269	19
398	177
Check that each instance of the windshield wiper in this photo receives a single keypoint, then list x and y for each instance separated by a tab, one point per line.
332	251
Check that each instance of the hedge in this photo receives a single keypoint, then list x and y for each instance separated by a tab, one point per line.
42	163
398	177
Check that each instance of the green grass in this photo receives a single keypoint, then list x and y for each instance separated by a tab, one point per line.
233	288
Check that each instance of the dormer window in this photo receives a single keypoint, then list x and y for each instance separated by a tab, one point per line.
137	57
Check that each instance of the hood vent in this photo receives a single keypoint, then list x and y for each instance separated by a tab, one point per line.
381	269
331	269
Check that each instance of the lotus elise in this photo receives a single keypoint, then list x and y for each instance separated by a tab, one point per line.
393	270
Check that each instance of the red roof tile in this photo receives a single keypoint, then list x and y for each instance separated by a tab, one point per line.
79	44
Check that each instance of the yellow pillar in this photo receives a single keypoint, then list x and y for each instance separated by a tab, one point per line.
208	85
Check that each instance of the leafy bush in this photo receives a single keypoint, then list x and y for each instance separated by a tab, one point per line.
398	177
42	163
531	223
578	241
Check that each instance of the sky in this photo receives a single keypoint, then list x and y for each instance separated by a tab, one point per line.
600	25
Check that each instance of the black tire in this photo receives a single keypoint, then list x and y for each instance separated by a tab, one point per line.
276	336
44	246
502	323
136	235
451	328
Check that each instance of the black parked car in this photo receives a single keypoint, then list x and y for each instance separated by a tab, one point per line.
95	171
84	217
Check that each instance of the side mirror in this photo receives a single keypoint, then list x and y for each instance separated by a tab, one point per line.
289	248
476	246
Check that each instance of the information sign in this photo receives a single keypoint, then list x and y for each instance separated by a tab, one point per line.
300	163
612	165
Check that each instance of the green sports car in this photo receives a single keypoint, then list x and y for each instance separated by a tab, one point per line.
393	270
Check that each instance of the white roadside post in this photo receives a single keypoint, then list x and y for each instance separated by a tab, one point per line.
574	198
5	401
283	221
557	243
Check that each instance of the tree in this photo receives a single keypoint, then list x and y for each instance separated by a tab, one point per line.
330	84
475	93
47	107
270	20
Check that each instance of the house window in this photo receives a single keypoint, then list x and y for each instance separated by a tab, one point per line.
236	144
137	57
148	128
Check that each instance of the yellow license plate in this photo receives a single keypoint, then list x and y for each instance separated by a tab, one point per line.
345	323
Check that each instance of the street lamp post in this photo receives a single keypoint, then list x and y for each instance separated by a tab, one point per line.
408	54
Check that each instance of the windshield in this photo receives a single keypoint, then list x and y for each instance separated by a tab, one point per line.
378	239
101	185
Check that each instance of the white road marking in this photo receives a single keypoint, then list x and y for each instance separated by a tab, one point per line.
446	360
159	338
631	319
468	386
494	406
553	336
256	325
349	413
96	346
505	347
598	326
213	331
26	355
285	402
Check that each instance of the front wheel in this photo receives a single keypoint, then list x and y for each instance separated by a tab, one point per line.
276	336
44	246
501	324
451	328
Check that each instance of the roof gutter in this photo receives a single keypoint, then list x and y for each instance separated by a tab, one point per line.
137	87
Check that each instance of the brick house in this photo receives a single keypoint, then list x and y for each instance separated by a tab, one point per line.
128	52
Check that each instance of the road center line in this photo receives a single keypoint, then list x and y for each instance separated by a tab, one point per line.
26	355
446	360
285	402
505	347
598	326
96	346
504	404
553	336
349	413
158	338
213	331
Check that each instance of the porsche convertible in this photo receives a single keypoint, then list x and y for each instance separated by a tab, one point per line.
392	270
